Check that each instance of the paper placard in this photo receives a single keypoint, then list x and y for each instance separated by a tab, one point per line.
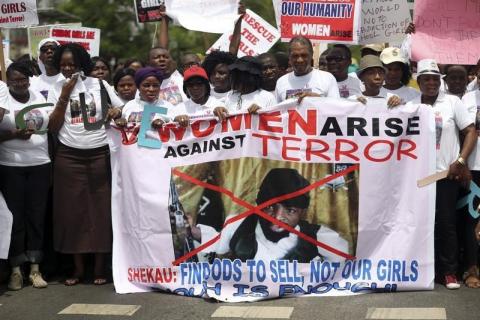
16	14
89	38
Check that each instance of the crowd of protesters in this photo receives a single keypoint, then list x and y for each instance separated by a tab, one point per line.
83	91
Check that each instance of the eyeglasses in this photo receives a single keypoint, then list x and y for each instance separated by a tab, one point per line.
336	59
44	49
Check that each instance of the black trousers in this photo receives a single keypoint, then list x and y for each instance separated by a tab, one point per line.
446	241
25	190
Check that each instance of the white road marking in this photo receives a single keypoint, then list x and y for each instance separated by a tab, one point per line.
253	312
407	313
101	309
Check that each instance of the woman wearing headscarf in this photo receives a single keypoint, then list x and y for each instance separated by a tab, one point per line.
50	74
81	173
24	175
451	119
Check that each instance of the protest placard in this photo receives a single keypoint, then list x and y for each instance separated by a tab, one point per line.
147	10
383	21
257	36
89	38
318	20
214	16
447	31
36	34
215	190
15	14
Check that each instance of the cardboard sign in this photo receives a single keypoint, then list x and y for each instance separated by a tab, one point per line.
258	36
36	34
89	38
447	31
319	20
15	14
383	21
214	16
147	10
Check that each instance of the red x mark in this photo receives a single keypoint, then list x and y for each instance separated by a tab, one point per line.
258	211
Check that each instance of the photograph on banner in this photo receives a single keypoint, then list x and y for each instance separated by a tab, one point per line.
383	21
213	16
36	34
257	36
328	213
89	38
318	20
17	14
447	31
147	10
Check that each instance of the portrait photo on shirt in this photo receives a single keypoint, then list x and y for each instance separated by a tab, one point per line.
326	213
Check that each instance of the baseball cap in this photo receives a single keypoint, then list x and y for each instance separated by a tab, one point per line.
378	47
194	71
369	61
391	55
428	66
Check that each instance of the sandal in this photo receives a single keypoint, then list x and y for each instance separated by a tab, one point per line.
73	281
471	278
100	281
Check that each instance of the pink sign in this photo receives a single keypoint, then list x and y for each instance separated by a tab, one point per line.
447	31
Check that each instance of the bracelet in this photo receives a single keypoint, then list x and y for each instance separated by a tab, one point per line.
461	161
64	101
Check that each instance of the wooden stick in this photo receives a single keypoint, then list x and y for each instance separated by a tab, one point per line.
432	178
2	59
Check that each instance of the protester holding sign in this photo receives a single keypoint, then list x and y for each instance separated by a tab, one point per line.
246	94
270	71
197	89
304	81
456	80
24	175
81	175
398	74
338	59
451	119
49	76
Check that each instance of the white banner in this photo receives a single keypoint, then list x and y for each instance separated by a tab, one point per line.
6	221
214	16
317	199
16	14
89	38
36	34
384	21
257	36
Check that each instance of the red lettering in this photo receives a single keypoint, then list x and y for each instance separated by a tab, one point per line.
264	142
130	276
61	33
265	118
178	132
150	275
158	276
236	122
319	153
78	34
167	276
412	146
346	153
90	35
203	133
309	126
285	148
143	275
372	144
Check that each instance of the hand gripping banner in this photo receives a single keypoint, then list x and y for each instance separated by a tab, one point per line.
313	199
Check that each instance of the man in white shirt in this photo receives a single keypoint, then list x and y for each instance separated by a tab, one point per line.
338	60
304	81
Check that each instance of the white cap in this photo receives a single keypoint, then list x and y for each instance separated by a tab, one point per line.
428	66
378	47
391	55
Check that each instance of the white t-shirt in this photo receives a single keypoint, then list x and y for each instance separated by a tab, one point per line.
472	101
191	108
171	89
236	102
217	95
269	250
73	133
382	97
316	81
451	115
472	86
43	83
3	95
349	87
133	111
31	152
405	93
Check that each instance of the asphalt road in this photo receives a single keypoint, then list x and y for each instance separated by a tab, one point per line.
30	303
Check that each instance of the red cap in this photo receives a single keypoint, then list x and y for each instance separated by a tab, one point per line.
194	71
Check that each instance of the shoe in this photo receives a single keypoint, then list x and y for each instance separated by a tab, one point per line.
37	280
451	282
16	281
